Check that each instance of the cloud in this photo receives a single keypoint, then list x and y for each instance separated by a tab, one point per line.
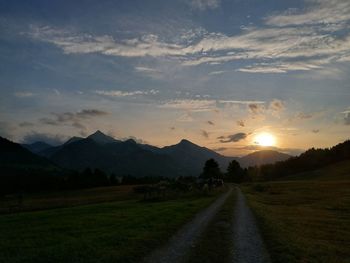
303	116
242	102
52	139
205	134
297	40
26	124
137	140
187	117
202	5
119	93
23	94
233	138
146	69
190	105
276	107
240	123
219	72
256	109
6	129
74	119
346	117
219	149
210	123
330	13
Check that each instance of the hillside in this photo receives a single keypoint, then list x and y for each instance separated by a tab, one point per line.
16	159
262	157
337	171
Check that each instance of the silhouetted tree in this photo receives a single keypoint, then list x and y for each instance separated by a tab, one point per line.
211	169
234	172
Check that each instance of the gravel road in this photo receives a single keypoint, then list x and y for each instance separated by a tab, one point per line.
248	245
176	250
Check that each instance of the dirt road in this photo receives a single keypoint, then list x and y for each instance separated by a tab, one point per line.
176	250
248	246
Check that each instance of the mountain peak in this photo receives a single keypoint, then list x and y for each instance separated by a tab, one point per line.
101	138
184	142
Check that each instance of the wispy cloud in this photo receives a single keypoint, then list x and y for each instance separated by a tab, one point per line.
204	4
74	119
297	40
189	105
52	139
23	94
119	93
346	117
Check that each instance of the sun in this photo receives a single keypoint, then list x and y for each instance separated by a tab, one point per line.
265	139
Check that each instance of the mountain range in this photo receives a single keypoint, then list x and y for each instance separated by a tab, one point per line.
131	158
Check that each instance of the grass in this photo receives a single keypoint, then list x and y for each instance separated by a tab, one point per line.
215	244
119	231
303	221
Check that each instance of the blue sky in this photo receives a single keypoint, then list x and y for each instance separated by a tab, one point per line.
161	71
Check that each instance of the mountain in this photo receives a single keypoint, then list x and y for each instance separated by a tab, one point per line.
37	147
192	157
122	158
262	157
131	158
73	139
104	152
15	159
101	138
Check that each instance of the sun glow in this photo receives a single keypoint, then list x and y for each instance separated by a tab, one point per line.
265	139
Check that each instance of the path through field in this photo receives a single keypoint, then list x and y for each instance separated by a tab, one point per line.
248	246
180	244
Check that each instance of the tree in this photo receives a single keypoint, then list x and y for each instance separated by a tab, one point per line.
211	169
234	172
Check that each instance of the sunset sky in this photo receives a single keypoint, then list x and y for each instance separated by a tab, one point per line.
218	73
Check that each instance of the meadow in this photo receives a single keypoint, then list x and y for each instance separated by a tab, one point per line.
123	230
304	220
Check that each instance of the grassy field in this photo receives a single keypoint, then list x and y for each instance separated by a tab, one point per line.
119	231
49	200
303	221
215	244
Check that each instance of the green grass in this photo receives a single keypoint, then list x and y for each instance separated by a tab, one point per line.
121	231
303	221
215	244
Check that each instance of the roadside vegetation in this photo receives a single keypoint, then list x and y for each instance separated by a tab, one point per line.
303	221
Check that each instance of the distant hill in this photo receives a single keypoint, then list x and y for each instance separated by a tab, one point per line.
15	159
262	157
37	147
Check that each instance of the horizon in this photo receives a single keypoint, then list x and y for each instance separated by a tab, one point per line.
232	76
262	148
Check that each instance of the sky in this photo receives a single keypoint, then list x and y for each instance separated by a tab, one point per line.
216	72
